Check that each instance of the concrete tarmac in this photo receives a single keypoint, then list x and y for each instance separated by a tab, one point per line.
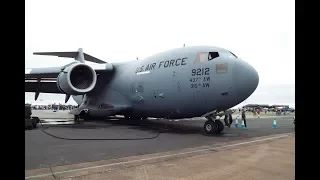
44	151
268	157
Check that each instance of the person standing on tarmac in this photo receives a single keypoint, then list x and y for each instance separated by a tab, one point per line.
226	120
244	118
230	119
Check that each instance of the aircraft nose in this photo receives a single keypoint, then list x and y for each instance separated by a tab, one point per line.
245	79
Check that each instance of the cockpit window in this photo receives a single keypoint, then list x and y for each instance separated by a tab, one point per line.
201	57
212	55
206	56
227	54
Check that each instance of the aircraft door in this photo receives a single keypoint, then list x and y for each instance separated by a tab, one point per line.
158	97
176	82
223	76
137	90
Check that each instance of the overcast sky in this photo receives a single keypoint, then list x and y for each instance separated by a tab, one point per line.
260	32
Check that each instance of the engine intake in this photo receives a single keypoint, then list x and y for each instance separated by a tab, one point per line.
77	79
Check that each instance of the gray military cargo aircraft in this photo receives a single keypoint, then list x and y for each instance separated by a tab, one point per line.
180	83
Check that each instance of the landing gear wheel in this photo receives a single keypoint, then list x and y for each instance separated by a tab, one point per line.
77	119
37	119
210	127
34	125
135	118
220	126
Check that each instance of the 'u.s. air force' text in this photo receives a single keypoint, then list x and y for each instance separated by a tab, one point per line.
164	64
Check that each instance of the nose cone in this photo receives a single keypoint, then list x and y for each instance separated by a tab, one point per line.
245	79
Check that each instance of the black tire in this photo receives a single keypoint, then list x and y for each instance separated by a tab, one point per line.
135	118
36	119
220	126
210	127
34	124
83	116
75	118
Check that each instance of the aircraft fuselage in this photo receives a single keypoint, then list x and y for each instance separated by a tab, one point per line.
179	83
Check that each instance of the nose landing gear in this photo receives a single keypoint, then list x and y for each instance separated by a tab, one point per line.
212	126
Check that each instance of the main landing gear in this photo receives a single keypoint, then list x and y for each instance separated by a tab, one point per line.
135	118
212	126
81	117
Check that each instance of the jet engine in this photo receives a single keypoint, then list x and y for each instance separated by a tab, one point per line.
77	79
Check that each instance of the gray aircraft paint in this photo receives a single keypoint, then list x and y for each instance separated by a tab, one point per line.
166	91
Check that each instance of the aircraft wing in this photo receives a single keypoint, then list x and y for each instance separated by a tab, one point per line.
45	79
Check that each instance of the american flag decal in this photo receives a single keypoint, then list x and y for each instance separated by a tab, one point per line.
201	57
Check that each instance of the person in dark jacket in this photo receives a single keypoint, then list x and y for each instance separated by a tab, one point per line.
230	119
226	121
244	117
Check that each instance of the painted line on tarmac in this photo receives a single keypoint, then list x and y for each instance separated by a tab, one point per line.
153	158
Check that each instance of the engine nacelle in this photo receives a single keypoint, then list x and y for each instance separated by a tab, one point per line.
77	79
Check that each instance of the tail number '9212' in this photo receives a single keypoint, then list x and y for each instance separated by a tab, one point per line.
200	71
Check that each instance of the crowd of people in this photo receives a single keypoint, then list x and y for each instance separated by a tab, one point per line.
228	120
53	107
256	111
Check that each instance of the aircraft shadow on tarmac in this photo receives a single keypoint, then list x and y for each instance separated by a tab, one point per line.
152	126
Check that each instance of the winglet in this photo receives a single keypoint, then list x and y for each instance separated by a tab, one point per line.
77	55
